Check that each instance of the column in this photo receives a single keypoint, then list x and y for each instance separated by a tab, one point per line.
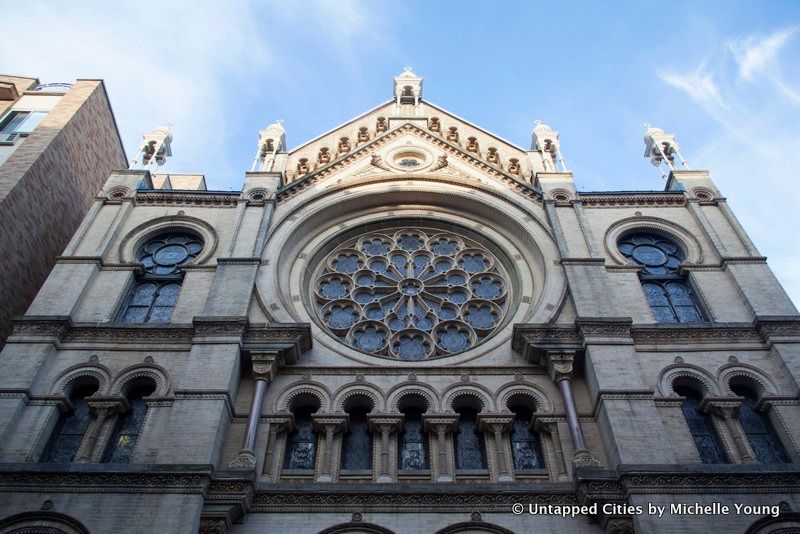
101	408
549	426
440	425
560	366
496	425
265	366
327	425
726	410
277	423
383	425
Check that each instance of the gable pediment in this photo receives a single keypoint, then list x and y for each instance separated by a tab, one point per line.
408	149
340	142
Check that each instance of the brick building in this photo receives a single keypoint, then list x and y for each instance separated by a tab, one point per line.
406	324
58	144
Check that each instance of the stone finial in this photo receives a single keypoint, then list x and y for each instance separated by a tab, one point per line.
156	146
271	140
545	140
407	88
661	148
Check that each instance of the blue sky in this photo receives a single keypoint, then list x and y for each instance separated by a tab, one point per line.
723	76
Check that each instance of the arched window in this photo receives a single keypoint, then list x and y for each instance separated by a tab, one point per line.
669	293
70	428
357	442
470	450
153	295
301	444
701	427
412	442
759	430
128	427
525	447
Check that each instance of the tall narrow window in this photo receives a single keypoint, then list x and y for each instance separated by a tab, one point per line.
152	298
669	293
128	427
301	445
525	446
357	444
70	428
701	427
413	442
470	450
759	430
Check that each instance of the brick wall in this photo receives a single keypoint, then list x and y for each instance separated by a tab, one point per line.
46	187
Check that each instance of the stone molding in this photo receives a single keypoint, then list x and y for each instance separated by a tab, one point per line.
532	341
42	481
290	337
300	184
639	199
184	198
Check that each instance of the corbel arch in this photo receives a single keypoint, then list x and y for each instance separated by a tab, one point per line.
349	391
80	375
300	391
143	372
539	398
397	393
675	372
477	392
742	371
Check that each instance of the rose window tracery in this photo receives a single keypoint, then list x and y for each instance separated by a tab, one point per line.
411	294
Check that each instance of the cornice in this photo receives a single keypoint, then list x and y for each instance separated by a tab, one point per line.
187	198
532	341
43	480
634	199
289	337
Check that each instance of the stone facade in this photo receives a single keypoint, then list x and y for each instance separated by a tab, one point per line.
257	366
48	180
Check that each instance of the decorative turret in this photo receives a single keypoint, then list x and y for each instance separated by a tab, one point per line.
407	92
156	147
270	141
545	141
661	148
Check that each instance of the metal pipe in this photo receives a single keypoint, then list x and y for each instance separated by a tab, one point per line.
572	414
249	439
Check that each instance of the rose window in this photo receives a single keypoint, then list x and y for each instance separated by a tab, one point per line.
411	294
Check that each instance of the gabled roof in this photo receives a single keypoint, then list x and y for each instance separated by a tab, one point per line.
388	105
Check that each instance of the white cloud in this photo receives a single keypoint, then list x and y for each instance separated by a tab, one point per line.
755	54
751	146
698	84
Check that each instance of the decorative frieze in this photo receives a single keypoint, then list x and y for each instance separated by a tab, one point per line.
200	198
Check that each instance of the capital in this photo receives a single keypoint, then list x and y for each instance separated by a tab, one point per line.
265	364
560	365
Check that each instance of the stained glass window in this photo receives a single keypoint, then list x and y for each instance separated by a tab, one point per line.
667	291
127	428
701	427
70	428
470	451
152	298
524	442
413	442
411	294
759	430
301	445
357	444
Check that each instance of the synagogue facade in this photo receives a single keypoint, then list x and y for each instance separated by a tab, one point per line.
406	324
